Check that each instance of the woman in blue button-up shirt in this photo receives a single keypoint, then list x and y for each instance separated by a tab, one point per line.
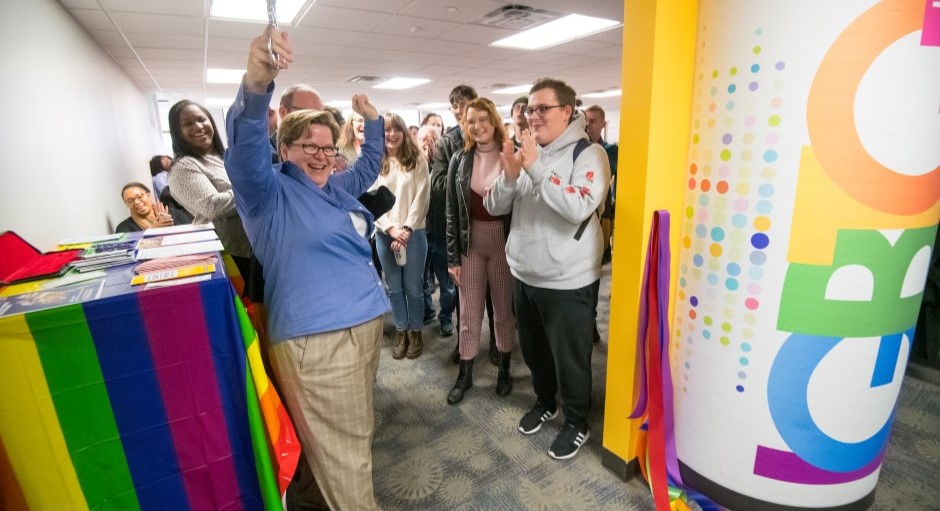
324	296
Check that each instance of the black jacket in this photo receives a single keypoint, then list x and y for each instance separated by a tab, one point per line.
458	209
447	146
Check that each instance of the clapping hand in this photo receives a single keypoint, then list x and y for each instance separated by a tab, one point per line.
162	216
529	150
511	160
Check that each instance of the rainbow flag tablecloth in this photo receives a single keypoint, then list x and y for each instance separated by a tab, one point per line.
144	400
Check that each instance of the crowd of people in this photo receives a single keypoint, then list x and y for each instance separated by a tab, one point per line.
508	219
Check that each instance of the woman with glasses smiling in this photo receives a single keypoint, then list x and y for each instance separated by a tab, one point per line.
325	300
145	213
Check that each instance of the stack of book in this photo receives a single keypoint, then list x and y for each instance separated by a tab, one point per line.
105	255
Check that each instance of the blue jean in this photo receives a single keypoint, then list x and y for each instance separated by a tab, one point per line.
405	283
437	260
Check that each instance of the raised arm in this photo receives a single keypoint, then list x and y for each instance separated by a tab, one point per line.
360	177
248	159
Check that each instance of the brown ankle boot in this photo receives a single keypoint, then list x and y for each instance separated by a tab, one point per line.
415	344
400	346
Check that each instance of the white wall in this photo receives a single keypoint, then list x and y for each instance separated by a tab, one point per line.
73	127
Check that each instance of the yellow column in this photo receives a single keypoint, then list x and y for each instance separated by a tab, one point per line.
655	111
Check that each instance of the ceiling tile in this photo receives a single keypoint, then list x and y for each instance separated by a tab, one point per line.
92	19
120	51
108	38
308	35
235	29
175	7
157	63
170	54
612	36
440	47
159	24
438	10
578	47
388	6
477	34
80	4
421	27
388	42
320	16
341	38
176	42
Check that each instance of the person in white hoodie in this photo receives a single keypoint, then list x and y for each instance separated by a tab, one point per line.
553	185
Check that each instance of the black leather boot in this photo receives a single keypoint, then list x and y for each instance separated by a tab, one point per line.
464	382
494	351
455	353
503	380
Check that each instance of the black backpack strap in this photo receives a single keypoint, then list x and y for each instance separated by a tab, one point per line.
578	148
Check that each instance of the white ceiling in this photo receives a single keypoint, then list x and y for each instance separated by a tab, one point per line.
165	46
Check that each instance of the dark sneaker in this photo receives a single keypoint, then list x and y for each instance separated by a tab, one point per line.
532	421
429	318
400	346
447	329
569	441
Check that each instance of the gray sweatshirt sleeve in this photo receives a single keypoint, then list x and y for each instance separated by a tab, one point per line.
576	196
498	198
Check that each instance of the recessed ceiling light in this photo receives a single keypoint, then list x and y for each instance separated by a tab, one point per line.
433	106
606	94
518	89
556	32
256	11
401	83
504	107
216	75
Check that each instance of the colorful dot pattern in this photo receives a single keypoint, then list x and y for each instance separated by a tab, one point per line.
729	213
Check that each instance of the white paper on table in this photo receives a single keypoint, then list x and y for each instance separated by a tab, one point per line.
180	250
189	237
177	229
91	239
74	279
177	282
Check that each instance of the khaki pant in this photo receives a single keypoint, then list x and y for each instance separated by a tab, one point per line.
327	382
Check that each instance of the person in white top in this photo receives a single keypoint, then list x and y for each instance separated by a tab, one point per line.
401	241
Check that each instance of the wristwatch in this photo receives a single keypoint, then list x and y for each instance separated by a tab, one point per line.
406	228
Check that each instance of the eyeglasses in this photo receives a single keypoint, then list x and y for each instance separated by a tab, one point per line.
519	107
541	110
312	149
138	197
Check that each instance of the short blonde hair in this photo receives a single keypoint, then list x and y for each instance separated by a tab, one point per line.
295	125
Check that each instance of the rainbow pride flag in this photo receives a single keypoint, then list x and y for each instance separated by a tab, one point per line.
149	400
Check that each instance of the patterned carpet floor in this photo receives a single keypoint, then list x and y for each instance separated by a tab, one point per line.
432	456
